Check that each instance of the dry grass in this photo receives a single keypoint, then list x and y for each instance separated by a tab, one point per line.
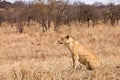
34	55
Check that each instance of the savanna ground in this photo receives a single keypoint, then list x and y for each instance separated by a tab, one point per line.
34	55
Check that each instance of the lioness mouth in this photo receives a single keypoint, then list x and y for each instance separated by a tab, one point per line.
60	42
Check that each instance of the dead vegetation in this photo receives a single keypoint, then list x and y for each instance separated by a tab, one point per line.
58	12
34	55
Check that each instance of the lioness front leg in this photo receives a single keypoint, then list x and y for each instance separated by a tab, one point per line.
75	60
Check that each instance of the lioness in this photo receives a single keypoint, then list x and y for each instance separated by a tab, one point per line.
80	53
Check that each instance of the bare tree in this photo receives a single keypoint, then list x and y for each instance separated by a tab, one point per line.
39	13
86	13
114	14
96	15
19	15
59	7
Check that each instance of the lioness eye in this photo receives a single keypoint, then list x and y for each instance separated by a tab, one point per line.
67	37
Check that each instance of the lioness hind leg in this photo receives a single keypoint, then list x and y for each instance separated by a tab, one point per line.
89	66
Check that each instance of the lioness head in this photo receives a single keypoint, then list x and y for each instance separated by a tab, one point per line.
65	40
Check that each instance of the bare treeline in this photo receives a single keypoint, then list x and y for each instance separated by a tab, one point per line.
57	12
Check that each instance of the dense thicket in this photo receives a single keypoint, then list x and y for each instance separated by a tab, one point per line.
57	12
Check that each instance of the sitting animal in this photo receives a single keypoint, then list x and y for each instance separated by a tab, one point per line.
80	53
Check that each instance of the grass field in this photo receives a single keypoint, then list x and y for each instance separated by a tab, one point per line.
34	55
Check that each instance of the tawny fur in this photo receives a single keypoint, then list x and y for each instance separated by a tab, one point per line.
80	53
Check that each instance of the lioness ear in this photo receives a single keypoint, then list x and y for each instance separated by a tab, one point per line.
67	36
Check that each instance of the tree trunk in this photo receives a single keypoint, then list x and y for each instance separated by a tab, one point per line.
19	27
88	23
93	23
117	21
